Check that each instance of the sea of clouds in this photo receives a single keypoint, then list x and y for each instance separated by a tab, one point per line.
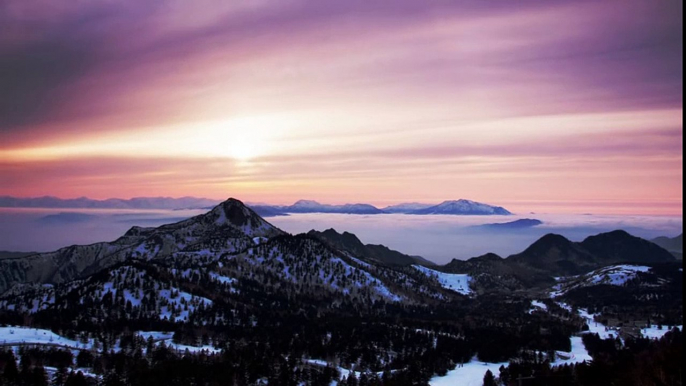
439	238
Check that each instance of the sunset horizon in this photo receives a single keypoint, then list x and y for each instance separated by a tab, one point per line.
341	193
569	104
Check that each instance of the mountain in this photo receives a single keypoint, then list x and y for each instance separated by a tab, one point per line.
227	297
406	207
309	206
231	241
14	255
554	256
111	203
675	245
268	211
462	207
373	253
228	227
517	224
492	273
620	247
640	292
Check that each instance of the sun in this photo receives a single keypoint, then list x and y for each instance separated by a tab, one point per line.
243	148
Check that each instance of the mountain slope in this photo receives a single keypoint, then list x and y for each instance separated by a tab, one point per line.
375	253
230	226
309	206
619	246
406	207
555	256
463	207
675	245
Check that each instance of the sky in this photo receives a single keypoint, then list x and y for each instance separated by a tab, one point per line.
565	106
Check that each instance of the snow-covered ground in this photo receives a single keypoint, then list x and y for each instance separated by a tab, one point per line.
469	374
577	354
536	304
457	282
182	347
156	335
10	336
614	275
344	372
653	332
596	327
166	337
25	335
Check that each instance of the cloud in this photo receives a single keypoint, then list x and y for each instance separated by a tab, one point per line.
112	66
478	99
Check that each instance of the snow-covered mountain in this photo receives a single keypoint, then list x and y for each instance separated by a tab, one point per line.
310	206
463	207
458	207
229	227
406	207
228	281
616	275
224	252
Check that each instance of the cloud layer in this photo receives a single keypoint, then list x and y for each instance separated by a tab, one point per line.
274	101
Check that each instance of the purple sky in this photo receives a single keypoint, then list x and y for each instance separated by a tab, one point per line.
574	102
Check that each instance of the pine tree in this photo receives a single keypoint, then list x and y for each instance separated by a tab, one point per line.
60	377
489	379
11	372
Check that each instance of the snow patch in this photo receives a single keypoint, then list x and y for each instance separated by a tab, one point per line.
458	282
469	374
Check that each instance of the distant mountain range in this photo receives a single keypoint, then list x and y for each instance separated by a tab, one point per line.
675	245
456	207
463	207
110	203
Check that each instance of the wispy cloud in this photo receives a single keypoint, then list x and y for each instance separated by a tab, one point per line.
333	99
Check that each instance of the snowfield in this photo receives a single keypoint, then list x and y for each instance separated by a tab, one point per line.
653	332
161	336
535	304
617	275
23	335
19	336
470	374
458	282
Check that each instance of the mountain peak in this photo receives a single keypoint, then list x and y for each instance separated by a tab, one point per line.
463	207
306	203
233	212
620	245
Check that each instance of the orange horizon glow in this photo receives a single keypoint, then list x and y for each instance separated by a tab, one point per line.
564	107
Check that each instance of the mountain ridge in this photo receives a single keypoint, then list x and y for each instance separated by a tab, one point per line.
449	207
229	226
554	255
371	252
